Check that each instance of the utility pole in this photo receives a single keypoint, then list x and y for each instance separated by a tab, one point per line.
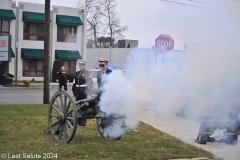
46	94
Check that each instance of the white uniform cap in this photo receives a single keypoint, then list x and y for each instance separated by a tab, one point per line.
82	63
102	60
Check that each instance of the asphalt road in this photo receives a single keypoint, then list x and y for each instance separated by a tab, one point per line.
23	95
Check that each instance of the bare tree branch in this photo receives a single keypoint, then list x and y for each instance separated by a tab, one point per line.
112	27
103	21
93	18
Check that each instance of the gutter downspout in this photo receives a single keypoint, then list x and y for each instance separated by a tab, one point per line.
16	39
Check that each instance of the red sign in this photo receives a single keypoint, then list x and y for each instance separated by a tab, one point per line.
3	43
164	43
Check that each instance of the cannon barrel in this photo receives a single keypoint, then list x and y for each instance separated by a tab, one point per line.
92	99
88	107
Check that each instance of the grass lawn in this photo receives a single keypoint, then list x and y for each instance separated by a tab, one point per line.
22	134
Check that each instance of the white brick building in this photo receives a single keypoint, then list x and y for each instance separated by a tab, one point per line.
25	23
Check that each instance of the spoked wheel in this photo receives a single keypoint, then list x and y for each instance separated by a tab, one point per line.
62	117
112	126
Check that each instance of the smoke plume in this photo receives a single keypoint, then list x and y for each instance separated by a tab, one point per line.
202	77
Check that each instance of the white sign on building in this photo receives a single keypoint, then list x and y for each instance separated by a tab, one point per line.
5	48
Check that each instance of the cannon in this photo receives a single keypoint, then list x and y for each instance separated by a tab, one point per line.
64	113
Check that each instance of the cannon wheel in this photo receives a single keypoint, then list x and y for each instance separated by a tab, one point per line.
62	117
112	126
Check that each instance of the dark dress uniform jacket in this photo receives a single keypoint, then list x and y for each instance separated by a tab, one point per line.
62	76
81	78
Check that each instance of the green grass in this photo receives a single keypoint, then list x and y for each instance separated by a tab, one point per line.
22	131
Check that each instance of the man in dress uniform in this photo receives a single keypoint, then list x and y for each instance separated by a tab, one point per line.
81	82
103	64
81	85
62	78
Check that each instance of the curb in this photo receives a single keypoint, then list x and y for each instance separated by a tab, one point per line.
40	85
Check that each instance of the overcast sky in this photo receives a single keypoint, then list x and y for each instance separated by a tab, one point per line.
201	21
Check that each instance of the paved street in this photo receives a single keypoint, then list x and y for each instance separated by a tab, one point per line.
25	95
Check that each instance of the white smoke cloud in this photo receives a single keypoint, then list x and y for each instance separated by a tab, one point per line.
201	78
204	78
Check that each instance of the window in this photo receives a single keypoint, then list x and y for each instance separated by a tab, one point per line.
32	68
70	66
4	27
66	33
33	31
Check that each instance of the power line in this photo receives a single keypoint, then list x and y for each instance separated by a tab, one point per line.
181	3
235	0
214	4
204	2
185	4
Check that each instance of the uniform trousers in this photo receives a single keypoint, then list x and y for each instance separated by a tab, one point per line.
63	83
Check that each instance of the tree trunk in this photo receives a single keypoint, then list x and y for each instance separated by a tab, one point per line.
46	94
95	37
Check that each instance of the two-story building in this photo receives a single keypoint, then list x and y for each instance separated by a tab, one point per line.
25	24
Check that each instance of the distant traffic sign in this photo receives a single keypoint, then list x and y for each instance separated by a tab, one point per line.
164	43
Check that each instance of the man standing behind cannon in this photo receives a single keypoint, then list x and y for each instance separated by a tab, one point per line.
103	64
62	78
81	82
81	85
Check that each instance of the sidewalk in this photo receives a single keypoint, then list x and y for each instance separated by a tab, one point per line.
42	83
35	84
187	131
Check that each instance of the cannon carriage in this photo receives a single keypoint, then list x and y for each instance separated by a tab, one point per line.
64	114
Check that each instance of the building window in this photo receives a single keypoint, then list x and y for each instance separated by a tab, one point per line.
70	66
33	31
66	33
4	27
32	68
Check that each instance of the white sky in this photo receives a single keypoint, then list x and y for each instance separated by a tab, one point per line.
198	21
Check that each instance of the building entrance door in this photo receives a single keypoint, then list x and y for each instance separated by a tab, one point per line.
2	72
